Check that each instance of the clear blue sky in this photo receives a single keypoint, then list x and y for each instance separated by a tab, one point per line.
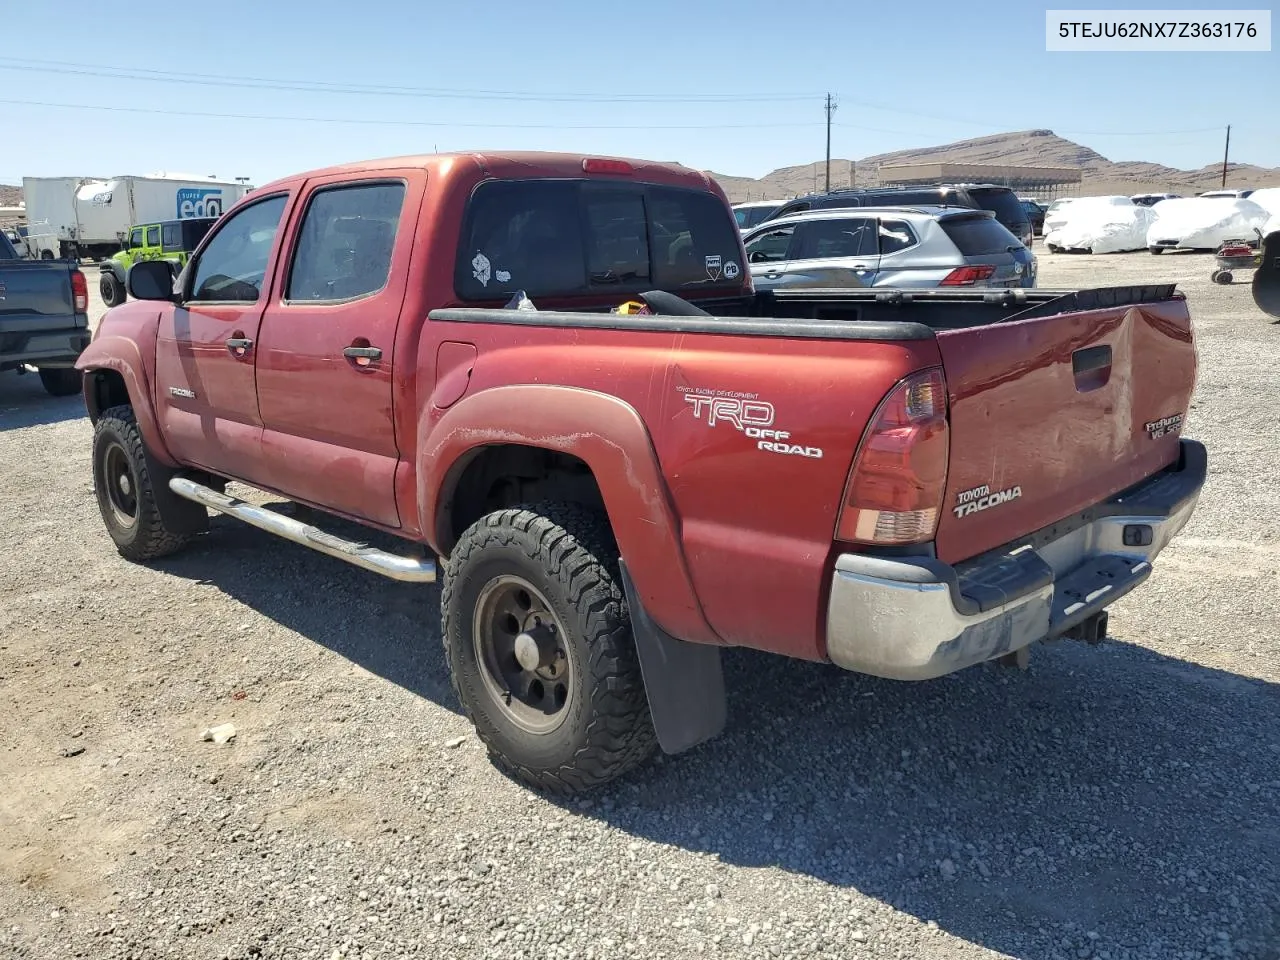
905	74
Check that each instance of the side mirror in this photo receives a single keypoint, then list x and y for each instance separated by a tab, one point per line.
151	280
758	257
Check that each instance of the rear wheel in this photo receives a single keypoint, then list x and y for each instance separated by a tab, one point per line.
1156	249
46	254
61	381
540	651
123	483
1222	276
112	290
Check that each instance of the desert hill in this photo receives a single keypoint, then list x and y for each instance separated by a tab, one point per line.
1041	148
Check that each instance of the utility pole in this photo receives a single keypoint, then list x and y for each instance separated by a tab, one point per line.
1225	153
831	108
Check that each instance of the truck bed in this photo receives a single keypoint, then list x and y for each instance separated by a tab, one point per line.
1055	397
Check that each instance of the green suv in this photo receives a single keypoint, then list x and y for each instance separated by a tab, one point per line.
171	240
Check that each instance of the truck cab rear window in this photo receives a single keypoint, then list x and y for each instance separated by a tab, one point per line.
569	237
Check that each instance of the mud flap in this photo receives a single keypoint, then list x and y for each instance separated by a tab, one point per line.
1266	279
179	515
683	681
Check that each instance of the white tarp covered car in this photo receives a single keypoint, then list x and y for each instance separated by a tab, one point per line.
1268	198
1061	211
1101	227
1203	223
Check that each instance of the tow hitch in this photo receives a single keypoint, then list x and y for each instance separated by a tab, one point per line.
1092	631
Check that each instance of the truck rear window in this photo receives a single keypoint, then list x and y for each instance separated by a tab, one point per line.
564	237
978	236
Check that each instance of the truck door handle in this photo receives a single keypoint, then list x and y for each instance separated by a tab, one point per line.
239	345
363	356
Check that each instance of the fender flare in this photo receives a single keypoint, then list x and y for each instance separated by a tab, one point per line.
113	268
121	355
608	435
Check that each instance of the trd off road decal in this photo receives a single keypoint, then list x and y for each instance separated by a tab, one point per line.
749	414
981	498
1165	425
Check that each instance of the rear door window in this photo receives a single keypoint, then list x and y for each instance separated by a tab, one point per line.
979	236
838	237
171	234
344	247
153	236
575	237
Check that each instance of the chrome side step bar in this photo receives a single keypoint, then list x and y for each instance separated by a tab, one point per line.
391	565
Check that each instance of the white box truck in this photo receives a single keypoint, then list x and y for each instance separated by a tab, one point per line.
77	217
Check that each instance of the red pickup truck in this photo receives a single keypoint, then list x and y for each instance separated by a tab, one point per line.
448	349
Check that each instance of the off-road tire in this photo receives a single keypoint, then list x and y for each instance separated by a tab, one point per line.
112	290
147	537
61	381
568	553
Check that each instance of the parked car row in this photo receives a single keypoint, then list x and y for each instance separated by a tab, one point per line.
898	246
1157	222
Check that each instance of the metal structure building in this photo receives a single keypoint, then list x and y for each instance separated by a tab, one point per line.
1045	182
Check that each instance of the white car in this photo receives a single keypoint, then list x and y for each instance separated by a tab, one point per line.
1061	211
1204	223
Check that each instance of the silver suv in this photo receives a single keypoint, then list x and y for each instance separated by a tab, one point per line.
888	247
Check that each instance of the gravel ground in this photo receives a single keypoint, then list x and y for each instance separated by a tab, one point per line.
1118	802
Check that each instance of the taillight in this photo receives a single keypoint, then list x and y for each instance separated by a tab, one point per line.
967	276
80	291
900	472
606	165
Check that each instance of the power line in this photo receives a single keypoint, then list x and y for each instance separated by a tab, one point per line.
325	86
403	123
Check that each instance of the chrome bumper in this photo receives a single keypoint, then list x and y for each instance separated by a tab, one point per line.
916	618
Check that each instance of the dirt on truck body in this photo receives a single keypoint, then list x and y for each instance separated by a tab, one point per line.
904	483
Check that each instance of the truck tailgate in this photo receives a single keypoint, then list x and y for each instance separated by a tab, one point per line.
35	290
1051	414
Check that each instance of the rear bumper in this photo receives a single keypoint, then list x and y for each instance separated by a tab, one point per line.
40	347
916	618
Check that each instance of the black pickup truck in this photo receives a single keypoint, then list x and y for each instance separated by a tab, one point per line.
44	318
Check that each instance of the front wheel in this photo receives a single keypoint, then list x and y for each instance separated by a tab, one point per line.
539	645
1155	250
124	486
112	290
1222	276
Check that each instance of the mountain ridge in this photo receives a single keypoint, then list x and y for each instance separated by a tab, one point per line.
1036	148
